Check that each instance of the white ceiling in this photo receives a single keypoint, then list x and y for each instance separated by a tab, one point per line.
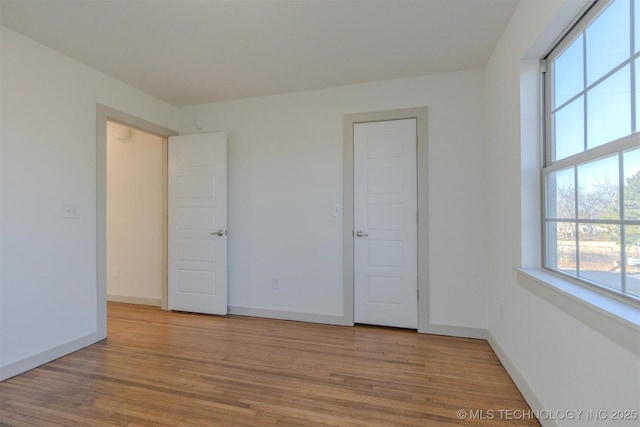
189	52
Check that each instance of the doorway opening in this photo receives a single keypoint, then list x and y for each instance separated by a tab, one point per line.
136	216
104	115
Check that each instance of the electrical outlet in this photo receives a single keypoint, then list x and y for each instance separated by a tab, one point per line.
71	211
275	284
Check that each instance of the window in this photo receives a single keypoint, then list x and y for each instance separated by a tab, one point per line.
592	152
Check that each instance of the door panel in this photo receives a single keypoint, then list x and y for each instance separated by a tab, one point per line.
385	213
197	211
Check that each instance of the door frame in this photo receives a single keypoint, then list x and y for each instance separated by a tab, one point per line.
103	115
420	114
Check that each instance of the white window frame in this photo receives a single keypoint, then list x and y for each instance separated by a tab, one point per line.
611	148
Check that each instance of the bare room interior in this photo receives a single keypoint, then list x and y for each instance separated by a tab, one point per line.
340	212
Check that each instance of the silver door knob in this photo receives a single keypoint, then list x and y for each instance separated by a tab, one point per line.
219	233
360	233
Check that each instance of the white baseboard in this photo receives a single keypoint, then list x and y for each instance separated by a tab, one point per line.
289	315
457	331
23	365
156	302
527	392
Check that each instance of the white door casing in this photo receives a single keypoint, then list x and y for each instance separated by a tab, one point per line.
197	241
385	223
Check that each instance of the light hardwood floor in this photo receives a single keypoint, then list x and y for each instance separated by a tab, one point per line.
160	368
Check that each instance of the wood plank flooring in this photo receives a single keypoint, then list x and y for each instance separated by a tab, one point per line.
160	368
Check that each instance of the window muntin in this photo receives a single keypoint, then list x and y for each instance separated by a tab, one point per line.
592	163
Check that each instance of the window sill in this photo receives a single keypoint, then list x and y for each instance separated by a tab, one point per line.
587	305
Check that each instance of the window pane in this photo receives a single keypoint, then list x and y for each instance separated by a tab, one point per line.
637	94
561	194
608	40
609	109
637	26
569	130
632	239
568	73
600	254
632	185
561	244
598	184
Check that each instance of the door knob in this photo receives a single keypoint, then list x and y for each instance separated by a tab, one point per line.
218	233
359	233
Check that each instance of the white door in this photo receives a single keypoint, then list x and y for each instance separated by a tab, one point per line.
385	224
198	223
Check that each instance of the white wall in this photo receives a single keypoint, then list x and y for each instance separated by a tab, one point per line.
134	216
285	173
48	160
566	356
